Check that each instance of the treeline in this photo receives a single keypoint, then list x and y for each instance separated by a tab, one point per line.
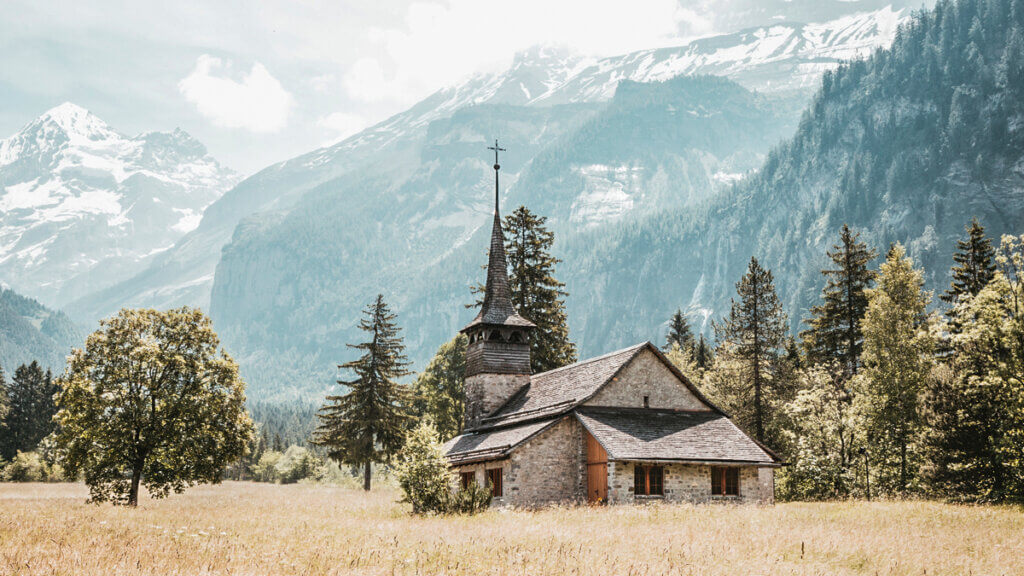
27	408
881	395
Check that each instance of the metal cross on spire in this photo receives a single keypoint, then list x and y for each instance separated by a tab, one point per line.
497	167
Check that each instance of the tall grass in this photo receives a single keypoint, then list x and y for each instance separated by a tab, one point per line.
245	528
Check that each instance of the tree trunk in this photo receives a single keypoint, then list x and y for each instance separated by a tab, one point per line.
903	465
366	476
133	493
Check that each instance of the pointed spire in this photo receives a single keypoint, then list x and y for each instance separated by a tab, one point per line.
497	307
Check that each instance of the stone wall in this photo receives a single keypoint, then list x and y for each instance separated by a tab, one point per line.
549	468
691	483
647	376
485	393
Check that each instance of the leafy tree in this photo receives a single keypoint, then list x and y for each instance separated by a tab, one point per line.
821	433
367	424
30	417
536	294
835	326
679	333
426	480
150	400
752	335
978	408
898	349
439	392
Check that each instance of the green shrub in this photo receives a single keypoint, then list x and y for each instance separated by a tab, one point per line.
30	467
266	468
426	481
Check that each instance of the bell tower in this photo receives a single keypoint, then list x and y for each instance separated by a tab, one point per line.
498	355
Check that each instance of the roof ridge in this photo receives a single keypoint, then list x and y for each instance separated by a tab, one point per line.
592	360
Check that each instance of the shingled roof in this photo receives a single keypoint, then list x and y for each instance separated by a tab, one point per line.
646	434
558	391
493	444
497	307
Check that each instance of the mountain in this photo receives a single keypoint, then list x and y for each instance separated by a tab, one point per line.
905	146
287	258
766	58
30	331
83	206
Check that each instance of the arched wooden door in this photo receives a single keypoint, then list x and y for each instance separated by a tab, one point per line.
597	471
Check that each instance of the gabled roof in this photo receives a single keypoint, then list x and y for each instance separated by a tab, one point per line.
681	436
491	445
560	390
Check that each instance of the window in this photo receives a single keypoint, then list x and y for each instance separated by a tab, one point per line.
647	401
467	479
725	481
494	479
648	480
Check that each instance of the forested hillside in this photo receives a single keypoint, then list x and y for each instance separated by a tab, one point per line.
29	331
289	284
906	146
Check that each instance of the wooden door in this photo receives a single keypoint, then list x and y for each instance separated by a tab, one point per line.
597	471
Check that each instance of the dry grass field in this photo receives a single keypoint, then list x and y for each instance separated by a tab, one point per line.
242	528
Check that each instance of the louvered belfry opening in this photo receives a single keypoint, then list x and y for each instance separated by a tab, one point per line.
498	355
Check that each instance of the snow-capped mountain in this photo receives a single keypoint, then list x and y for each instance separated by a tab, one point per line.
83	206
289	253
777	58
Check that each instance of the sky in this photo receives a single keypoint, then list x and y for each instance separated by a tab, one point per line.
263	81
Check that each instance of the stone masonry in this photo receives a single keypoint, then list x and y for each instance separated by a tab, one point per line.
691	483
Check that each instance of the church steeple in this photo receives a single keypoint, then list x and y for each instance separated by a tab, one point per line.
498	356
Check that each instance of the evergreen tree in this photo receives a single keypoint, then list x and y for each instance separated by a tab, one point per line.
679	333
367	424
32	406
703	356
835	328
977	407
439	392
536	294
975	265
898	349
752	335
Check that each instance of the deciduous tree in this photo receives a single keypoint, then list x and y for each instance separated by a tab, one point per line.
439	392
898	359
151	400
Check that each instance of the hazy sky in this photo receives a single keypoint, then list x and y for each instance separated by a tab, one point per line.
259	82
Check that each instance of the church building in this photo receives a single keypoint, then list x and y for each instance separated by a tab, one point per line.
623	427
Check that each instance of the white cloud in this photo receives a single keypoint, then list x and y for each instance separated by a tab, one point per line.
342	124
257	102
438	44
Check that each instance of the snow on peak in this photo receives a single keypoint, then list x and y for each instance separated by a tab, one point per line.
68	176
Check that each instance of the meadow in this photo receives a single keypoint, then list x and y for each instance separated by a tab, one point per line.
248	528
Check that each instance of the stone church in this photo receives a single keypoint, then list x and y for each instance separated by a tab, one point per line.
619	428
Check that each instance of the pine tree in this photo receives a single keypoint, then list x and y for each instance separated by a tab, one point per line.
32	406
898	350
440	391
976	266
367	424
536	294
703	356
752	334
835	328
679	333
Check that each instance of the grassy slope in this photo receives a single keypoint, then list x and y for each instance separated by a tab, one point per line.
242	528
